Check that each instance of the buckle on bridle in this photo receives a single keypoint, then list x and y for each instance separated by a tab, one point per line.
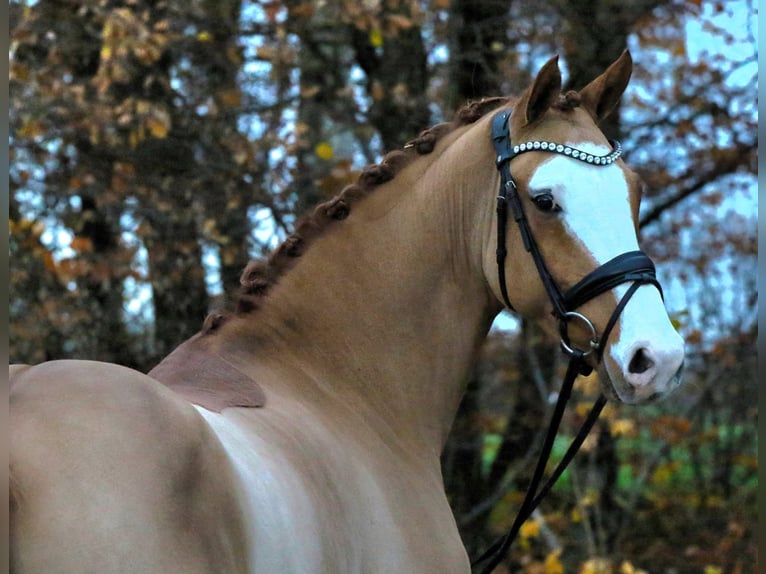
568	349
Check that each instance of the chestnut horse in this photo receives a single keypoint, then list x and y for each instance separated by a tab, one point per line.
355	339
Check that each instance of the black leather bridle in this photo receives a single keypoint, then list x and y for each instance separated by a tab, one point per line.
632	267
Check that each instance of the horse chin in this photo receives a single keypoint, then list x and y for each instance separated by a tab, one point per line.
617	389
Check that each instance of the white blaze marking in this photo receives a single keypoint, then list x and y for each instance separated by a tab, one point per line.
595	201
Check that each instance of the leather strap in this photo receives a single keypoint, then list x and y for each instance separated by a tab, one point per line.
509	195
630	266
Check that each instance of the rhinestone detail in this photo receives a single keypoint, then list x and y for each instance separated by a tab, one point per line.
572	152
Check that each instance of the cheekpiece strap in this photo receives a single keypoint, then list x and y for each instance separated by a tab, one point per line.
508	195
501	138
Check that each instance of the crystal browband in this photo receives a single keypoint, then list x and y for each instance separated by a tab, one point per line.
572	152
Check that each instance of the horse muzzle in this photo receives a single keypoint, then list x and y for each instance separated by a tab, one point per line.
645	362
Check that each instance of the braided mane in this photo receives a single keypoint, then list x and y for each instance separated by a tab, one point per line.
260	276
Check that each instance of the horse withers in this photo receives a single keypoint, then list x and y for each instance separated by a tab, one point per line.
301	431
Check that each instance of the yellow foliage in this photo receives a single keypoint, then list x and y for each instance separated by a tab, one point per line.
376	37
628	568
34	228
19	72
596	566
590	385
134	138
29	129
157	127
324	151
530	529
623	427
664	473
19	226
713	569
204	36
552	563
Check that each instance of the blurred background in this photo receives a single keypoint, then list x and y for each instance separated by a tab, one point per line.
157	146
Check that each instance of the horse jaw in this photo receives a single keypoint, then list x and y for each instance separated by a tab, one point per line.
644	354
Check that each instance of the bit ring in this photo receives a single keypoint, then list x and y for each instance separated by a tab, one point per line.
569	350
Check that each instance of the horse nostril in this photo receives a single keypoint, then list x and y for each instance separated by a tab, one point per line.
640	363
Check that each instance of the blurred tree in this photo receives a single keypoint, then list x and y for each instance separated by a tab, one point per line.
323	61
478	42
389	48
129	111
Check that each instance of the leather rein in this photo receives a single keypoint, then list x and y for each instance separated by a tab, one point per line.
632	267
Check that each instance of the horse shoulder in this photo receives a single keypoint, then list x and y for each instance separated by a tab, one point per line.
111	472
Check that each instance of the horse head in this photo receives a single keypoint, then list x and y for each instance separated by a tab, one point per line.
576	204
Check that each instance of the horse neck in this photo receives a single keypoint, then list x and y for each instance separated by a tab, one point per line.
385	310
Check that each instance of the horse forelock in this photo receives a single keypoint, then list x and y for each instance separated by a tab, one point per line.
260	276
568	101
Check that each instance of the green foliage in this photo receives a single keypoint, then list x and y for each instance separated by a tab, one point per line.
670	486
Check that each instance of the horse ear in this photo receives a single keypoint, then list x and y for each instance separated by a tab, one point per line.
543	92
601	96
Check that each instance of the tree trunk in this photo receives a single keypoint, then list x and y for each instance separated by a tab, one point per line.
595	34
478	40
397	77
227	198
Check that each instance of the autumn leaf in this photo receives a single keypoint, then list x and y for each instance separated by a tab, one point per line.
530	529
81	244
310	91
267	53
30	128
157	127
596	566
19	72
376	37
664	473
378	92
628	568
230	98
553	564
623	427
324	151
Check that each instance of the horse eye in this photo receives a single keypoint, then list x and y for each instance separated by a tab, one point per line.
545	202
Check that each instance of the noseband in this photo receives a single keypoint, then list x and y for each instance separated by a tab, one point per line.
633	267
